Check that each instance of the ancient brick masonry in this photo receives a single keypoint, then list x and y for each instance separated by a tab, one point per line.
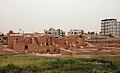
68	45
13	39
43	43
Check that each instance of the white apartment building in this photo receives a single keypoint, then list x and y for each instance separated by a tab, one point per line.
75	32
110	27
55	33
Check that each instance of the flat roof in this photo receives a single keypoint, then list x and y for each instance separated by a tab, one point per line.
108	19
16	34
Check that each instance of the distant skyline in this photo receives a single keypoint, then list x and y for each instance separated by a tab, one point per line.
37	15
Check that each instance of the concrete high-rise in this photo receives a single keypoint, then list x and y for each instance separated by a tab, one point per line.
110	27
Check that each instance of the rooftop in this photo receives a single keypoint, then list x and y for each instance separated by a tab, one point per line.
108	19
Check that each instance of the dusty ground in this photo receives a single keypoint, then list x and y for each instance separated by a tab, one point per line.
82	51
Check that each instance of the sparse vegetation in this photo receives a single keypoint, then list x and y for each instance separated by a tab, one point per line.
35	64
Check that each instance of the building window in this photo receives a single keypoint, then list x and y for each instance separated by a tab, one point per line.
75	33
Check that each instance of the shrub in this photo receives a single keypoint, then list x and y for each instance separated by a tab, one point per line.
118	71
57	65
10	68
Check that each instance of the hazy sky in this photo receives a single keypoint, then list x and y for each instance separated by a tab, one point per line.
37	15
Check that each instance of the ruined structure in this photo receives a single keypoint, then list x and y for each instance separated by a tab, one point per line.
68	45
43	43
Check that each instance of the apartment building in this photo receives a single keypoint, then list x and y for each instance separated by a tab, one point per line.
110	27
54	32
75	32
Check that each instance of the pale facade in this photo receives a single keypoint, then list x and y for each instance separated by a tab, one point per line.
110	27
75	32
55	33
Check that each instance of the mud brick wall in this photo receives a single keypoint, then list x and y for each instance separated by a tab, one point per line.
61	42
11	40
43	49
33	48
19	47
